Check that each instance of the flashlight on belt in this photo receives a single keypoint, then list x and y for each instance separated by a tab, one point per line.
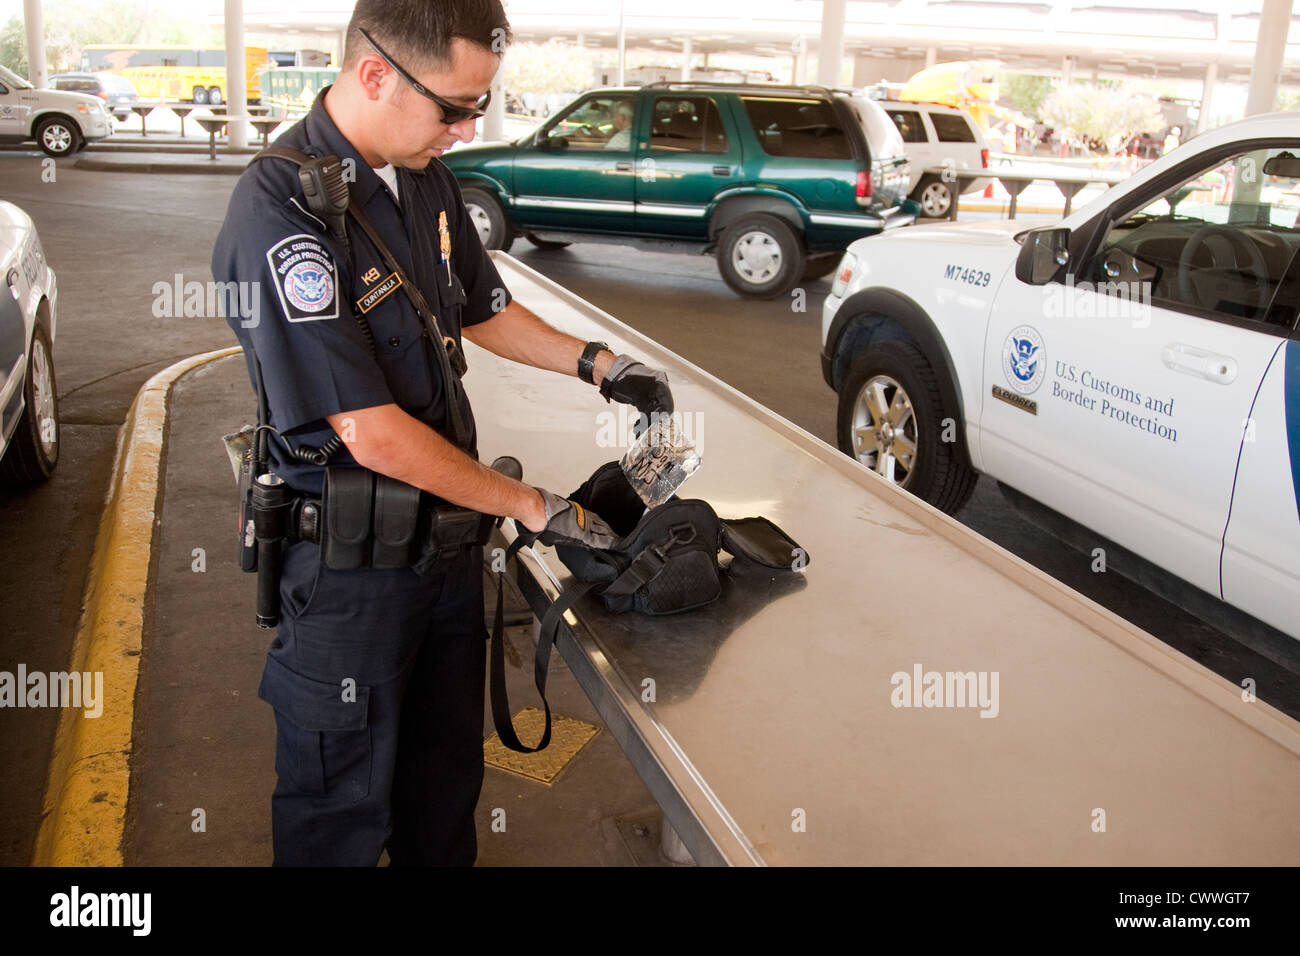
271	504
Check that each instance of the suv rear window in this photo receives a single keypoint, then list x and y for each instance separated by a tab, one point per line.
952	129
76	85
688	124
909	125
795	127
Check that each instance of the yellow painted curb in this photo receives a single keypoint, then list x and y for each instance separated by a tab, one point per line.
84	812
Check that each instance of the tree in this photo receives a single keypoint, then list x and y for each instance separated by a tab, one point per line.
551	67
1026	92
1103	117
13	46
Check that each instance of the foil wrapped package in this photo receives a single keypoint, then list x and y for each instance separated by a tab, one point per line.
660	461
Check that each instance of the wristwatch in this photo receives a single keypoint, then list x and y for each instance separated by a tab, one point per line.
587	363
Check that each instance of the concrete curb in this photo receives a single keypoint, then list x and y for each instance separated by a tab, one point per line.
208	167
84	812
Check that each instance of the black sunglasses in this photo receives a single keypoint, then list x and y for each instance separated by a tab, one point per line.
451	113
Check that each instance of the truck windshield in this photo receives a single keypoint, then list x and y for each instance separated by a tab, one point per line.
13	80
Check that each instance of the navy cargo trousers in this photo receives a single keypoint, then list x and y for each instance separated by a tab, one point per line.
376	678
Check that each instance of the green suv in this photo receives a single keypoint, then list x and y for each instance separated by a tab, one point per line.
776	180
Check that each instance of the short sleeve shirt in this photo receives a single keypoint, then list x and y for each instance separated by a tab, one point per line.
305	289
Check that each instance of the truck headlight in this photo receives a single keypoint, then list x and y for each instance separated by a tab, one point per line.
844	274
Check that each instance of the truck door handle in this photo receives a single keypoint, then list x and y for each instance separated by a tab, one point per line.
722	170
1221	369
623	167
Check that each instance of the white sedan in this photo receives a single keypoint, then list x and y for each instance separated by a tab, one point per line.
29	408
1135	368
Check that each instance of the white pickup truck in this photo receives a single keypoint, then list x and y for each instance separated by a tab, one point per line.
60	122
1134	368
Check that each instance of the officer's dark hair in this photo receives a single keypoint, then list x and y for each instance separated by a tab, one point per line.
418	33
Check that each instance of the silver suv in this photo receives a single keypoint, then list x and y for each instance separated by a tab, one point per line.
946	147
60	123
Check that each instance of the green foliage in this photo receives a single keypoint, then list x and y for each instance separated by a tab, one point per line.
551	67
1103	117
71	24
1026	92
13	46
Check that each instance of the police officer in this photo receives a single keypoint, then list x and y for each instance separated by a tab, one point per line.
376	675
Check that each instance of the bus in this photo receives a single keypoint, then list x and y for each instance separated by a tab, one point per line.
175	72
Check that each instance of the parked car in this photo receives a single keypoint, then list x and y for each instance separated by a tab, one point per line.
1134	369
117	91
945	146
61	123
774	180
29	406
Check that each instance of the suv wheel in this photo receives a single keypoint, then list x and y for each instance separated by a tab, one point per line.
34	450
760	257
57	136
489	218
199	95
936	197
892	419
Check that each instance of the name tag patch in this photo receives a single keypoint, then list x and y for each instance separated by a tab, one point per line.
379	292
305	278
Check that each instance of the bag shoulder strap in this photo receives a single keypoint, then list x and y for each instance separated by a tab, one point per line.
549	630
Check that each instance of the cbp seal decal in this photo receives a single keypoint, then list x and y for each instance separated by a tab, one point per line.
1024	362
309	287
305	278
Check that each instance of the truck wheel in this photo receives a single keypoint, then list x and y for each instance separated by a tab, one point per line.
199	95
892	419
935	196
760	257
489	218
57	136
214	96
34	450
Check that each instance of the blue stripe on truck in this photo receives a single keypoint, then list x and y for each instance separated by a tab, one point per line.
1291	395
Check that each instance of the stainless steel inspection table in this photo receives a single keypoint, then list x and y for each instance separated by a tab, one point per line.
775	734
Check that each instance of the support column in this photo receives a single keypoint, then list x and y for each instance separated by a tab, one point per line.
493	128
931	56
1207	97
1067	70
1274	22
686	60
830	55
236	76
37	74
622	42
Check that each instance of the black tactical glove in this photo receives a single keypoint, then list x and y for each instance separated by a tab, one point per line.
633	383
569	522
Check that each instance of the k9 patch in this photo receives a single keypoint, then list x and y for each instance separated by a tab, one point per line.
305	278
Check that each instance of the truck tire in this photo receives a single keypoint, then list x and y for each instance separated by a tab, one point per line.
935	196
34	451
488	218
57	136
892	419
760	256
199	95
214	96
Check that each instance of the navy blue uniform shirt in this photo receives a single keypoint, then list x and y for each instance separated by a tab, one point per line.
309	289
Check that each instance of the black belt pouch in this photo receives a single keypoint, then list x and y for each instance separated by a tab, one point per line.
348	501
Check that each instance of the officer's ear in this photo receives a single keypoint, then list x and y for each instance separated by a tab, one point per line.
371	73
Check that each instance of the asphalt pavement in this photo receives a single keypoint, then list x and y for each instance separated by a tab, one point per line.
201	738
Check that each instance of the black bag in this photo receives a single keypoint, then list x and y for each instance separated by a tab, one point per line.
665	562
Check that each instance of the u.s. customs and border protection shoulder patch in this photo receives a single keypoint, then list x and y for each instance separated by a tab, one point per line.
305	278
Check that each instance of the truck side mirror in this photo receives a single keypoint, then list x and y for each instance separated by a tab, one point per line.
1044	253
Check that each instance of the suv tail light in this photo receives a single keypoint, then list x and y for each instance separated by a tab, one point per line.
102	95
984	157
864	184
